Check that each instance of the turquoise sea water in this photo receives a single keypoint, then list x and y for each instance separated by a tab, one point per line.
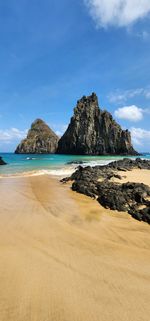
50	164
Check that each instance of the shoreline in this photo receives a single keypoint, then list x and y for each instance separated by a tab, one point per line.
65	165
134	175
63	172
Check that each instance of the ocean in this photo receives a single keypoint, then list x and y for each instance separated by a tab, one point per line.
52	164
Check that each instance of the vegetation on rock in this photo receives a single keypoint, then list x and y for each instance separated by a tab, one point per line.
40	140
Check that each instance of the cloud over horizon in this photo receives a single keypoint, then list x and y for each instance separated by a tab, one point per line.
117	13
140	137
12	134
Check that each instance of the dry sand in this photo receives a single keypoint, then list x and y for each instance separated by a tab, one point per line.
64	258
136	175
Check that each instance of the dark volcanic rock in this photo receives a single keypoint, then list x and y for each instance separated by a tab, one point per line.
128	164
40	140
95	182
122	197
94	132
141	215
2	162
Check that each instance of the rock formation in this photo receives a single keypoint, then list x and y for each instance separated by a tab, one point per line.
40	140
94	132
2	162
96	182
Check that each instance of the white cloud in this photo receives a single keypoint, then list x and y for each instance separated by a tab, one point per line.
12	134
131	113
118	13
119	96
140	137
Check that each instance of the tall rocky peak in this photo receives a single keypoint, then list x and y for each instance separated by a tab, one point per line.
94	132
40	140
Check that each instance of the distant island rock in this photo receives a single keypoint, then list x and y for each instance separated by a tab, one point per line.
2	162
40	140
93	131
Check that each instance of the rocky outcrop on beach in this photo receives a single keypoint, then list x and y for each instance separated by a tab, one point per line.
128	197
40	140
93	131
2	162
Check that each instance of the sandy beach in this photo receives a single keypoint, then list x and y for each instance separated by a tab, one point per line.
65	258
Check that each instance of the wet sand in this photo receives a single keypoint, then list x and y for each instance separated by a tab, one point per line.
65	258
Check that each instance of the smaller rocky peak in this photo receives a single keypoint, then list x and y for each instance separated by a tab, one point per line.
40	140
38	121
39	124
39	127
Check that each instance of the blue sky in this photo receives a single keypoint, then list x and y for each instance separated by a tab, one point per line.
52	53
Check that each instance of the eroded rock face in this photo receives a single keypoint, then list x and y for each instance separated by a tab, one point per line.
94	132
128	197
2	162
40	140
